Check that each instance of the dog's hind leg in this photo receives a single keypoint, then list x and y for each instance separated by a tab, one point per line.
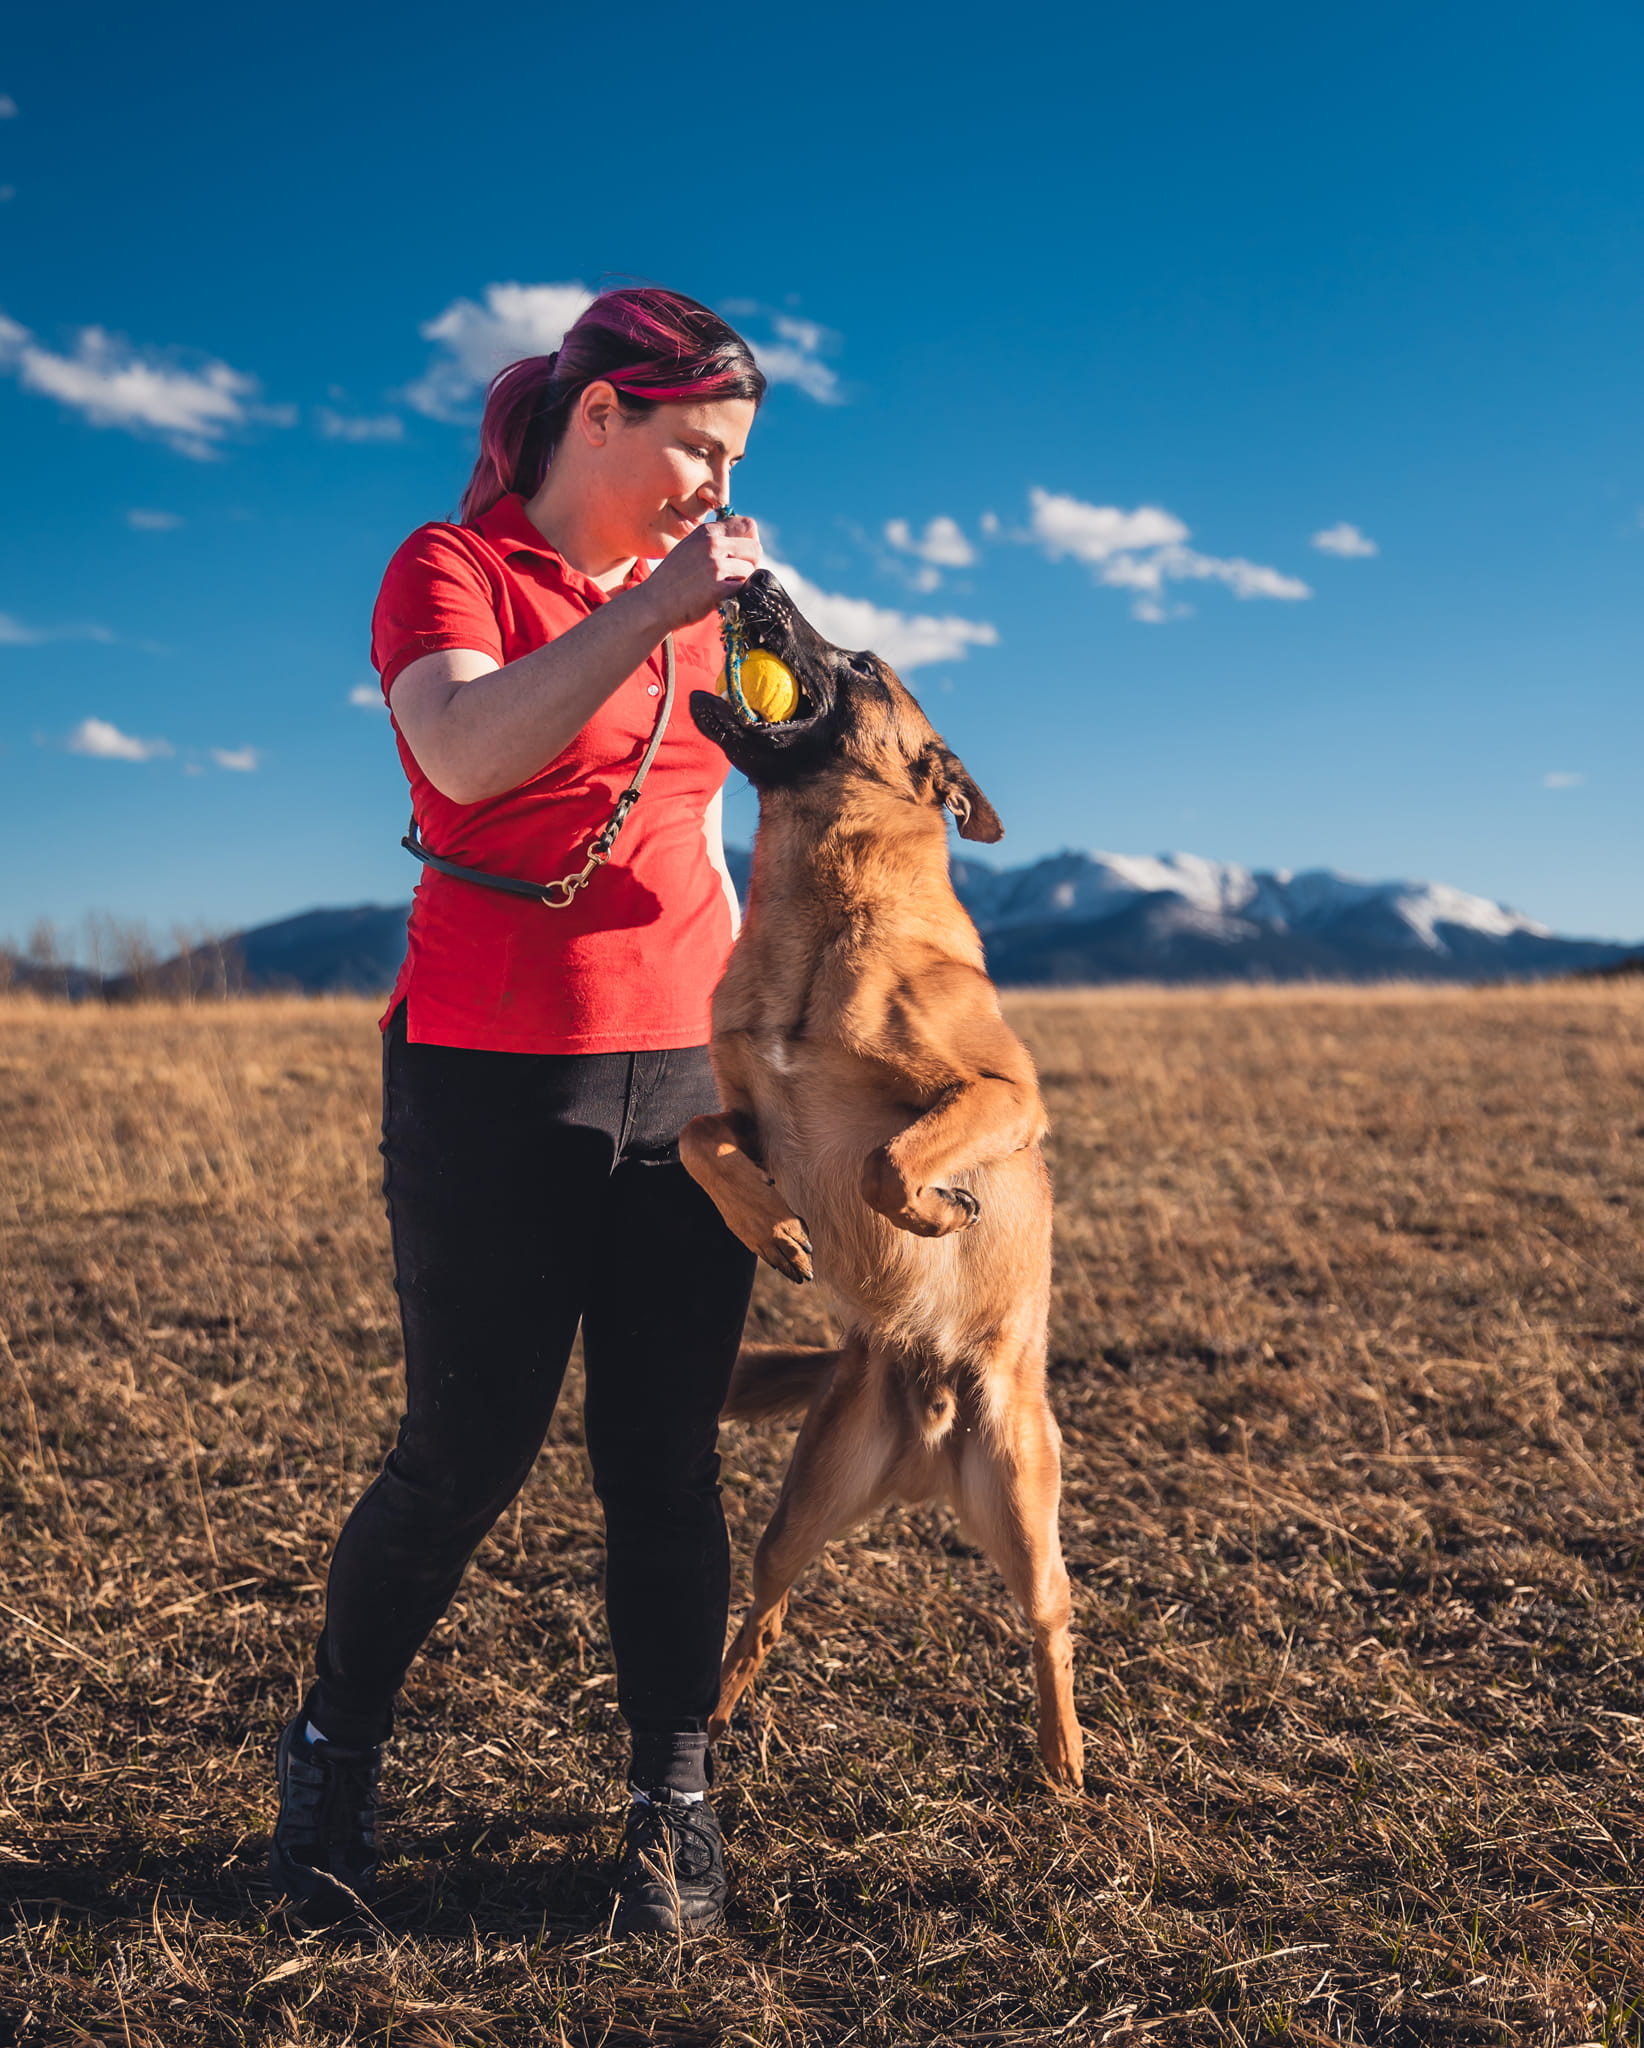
842	1464
1009	1492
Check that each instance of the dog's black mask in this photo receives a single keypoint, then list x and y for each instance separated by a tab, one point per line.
832	685
853	709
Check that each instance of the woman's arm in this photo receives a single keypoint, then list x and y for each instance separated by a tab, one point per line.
477	730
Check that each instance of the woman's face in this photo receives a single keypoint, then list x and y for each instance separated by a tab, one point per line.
661	473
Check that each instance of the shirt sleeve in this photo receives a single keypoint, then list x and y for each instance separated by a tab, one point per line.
436	594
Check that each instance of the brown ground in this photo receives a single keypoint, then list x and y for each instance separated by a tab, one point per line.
1347	1351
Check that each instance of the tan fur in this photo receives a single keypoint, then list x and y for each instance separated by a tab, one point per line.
872	1088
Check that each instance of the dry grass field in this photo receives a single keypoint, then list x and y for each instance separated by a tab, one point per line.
1347	1353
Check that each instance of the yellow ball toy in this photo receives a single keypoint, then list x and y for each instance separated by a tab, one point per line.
768	686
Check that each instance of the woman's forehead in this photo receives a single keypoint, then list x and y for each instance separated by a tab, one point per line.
726	421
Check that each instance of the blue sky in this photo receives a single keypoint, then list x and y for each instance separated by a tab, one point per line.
1135	305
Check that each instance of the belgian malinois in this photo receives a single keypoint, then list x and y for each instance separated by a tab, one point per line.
881	1134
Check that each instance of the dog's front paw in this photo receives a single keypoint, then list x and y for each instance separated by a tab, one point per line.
963	1200
939	1212
788	1249
923	1212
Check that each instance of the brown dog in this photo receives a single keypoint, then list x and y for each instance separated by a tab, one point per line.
872	1088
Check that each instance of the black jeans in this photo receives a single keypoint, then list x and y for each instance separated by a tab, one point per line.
527	1192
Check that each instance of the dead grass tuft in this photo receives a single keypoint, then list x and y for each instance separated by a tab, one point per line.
1347	1353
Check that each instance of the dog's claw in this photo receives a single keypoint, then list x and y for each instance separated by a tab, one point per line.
788	1249
923	1212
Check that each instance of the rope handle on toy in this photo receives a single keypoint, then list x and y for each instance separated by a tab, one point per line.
730	628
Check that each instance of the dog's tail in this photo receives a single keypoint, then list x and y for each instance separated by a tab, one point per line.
776	1379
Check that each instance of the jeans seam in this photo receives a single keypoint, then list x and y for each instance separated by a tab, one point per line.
630	1111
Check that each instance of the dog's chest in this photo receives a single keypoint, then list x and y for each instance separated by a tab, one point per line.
775	1052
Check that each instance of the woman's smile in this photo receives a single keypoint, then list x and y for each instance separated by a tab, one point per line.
687	521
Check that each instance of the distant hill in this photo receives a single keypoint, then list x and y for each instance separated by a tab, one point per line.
321	952
1102	917
327	952
1072	919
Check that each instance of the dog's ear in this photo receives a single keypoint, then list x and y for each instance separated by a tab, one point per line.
953	787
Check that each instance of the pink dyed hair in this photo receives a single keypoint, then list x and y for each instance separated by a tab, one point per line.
656	347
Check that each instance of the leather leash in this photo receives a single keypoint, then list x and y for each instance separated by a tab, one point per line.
562	894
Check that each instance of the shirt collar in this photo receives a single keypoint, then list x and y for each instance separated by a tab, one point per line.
507	526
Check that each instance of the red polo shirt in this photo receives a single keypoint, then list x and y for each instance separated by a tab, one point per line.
631	964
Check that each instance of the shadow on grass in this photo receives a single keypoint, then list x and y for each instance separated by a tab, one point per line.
429	1887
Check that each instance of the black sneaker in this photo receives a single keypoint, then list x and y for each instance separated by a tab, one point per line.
323	1858
671	1879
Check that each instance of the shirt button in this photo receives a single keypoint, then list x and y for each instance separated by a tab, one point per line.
651	689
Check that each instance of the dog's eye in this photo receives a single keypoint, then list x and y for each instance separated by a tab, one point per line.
863	664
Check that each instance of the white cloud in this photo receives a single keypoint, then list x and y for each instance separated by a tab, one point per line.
942	544
783	364
105	742
336	426
1344	540
809	335
1244	579
1143	550
112	384
367	696
1091	533
906	640
7	192
8	107
142	520
16	632
473	342
241	759
795	357
1563	778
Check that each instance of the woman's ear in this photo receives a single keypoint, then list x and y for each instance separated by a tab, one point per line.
599	410
954	788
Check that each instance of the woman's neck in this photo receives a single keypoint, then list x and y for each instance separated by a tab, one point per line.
568	520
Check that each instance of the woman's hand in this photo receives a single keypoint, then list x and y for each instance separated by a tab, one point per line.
707	567
478	730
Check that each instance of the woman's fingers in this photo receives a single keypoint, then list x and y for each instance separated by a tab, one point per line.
707	567
734	554
735	540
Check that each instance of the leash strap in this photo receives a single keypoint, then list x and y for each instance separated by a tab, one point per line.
562	894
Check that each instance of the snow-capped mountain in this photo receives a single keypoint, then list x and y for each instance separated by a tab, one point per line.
1074	918
1232	899
1115	916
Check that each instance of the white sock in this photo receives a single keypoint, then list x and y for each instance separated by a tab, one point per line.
644	1798
312	1734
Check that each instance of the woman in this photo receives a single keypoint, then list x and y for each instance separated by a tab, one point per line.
539	1063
